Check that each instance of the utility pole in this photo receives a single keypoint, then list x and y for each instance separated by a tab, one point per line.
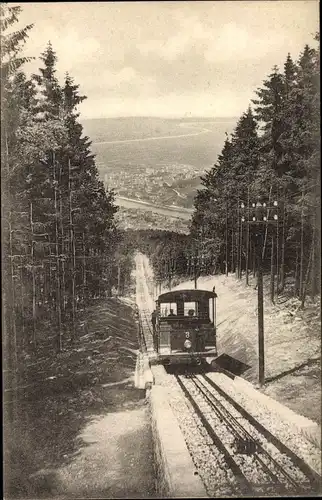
277	255
256	217
272	271
260	305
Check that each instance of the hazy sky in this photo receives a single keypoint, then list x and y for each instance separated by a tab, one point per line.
169	58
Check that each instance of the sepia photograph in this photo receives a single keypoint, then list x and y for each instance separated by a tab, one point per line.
161	249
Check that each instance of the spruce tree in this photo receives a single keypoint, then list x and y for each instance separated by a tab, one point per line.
280	163
11	119
50	103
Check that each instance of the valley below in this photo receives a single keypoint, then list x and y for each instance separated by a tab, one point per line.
154	165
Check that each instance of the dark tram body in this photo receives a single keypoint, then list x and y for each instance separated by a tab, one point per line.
185	329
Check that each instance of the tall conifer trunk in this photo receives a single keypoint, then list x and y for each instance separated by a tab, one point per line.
84	270
232	250
313	257
254	259
62	245
72	253
302	248
277	254
237	241
297	273
226	240
283	243
307	276
33	272
247	240
58	283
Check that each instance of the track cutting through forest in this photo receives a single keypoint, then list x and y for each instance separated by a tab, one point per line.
235	454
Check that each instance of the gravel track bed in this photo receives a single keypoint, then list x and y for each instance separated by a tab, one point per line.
284	430
269	469
212	468
207	459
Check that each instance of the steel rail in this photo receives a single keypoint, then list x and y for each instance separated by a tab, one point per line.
314	478
239	431
244	484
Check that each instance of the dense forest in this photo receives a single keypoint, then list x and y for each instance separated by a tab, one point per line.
263	194
173	255
61	247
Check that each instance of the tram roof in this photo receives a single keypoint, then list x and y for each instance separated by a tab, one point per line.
186	295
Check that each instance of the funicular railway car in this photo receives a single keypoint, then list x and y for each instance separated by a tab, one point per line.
184	331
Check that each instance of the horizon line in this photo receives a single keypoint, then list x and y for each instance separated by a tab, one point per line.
172	117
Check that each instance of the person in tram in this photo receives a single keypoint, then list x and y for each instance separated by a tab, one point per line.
154	334
171	314
154	320
191	313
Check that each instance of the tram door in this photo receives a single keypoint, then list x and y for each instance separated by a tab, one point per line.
165	309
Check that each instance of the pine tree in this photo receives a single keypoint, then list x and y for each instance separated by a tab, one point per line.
94	203
50	104
225	187
280	163
246	151
11	62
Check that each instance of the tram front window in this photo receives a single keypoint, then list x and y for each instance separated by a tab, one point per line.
168	310
191	309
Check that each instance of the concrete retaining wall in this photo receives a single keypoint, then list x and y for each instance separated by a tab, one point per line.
143	376
175	471
147	373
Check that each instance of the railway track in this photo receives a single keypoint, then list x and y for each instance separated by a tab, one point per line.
258	461
147	328
234	454
145	314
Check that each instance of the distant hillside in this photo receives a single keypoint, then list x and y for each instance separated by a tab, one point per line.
157	160
123	128
137	219
181	192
